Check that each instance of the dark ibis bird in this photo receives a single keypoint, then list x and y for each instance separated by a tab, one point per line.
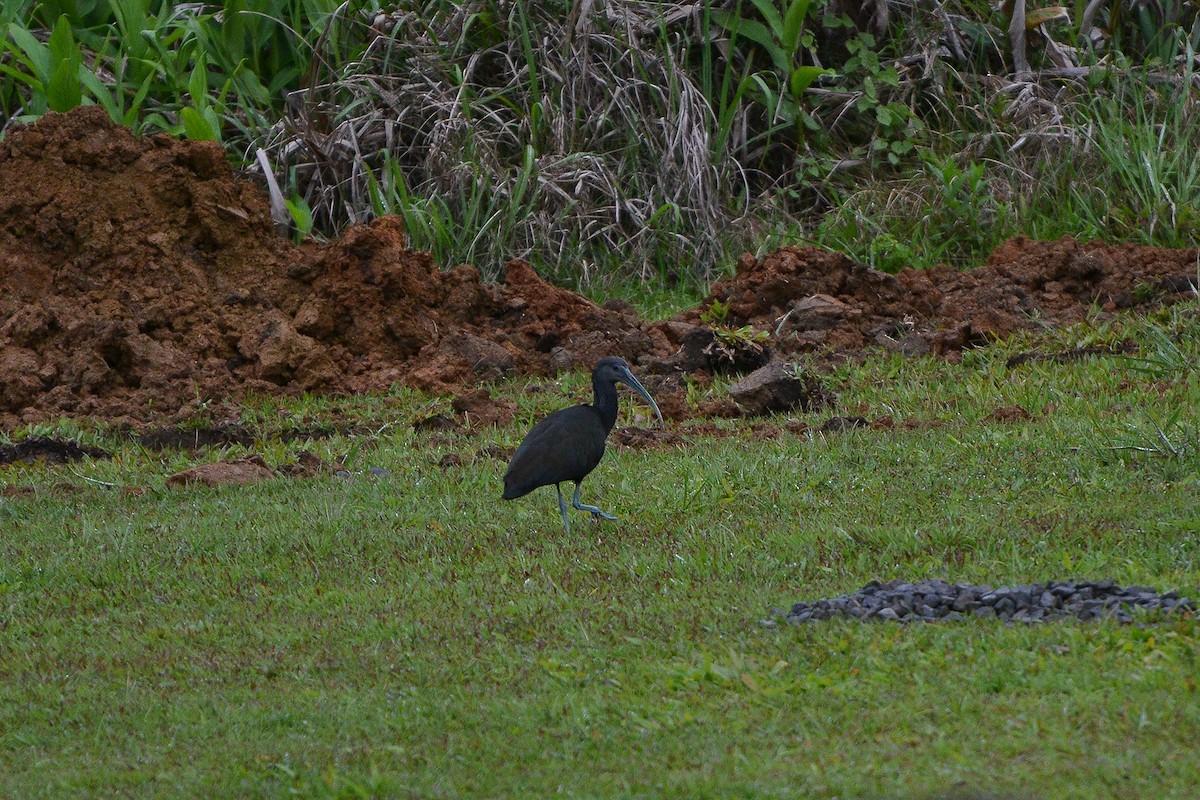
568	444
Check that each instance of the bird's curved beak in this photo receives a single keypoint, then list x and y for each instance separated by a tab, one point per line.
633	383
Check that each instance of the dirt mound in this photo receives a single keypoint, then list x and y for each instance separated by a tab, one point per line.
811	299
140	281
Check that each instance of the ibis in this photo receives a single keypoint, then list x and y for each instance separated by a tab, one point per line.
568	444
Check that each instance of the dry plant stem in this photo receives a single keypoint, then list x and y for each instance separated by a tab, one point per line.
1086	21
952	37
279	212
1016	38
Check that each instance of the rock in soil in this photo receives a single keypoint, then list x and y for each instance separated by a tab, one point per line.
778	387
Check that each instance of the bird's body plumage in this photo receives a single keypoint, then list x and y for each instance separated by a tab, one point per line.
568	444
538	462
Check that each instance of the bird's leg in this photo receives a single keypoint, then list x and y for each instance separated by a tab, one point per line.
597	513
562	506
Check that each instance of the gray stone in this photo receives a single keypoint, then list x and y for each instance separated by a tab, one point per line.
932	600
777	387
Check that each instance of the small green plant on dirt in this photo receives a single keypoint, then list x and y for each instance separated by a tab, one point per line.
747	337
730	340
301	214
693	390
716	314
1143	291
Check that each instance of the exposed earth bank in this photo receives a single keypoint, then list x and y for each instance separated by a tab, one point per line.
140	280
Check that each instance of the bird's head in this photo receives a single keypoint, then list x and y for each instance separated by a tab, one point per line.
613	370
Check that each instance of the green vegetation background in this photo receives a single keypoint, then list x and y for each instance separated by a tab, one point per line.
654	142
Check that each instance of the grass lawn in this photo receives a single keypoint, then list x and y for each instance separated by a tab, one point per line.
413	636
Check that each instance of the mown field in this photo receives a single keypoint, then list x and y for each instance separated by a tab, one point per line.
408	634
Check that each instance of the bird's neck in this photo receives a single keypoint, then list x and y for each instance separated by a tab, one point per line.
605	403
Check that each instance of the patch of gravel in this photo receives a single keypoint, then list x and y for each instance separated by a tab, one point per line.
938	601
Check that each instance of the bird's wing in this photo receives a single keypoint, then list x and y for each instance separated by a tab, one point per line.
564	446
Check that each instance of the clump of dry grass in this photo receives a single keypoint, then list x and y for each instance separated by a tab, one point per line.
510	130
631	139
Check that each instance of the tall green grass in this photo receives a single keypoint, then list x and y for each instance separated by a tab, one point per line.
207	72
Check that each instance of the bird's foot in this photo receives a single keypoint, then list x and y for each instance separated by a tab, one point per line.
596	513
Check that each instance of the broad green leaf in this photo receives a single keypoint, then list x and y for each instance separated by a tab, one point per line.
771	15
106	98
196	127
133	12
198	82
80	13
301	215
135	26
769	95
803	77
793	24
62	43
234	28
756	32
213	119
64	91
155	121
38	54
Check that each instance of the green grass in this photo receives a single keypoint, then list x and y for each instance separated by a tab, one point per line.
413	636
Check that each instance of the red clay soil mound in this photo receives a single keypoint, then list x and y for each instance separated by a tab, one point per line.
140	281
811	299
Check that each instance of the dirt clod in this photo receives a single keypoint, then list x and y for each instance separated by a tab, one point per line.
839	424
1009	414
823	301
480	410
224	473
